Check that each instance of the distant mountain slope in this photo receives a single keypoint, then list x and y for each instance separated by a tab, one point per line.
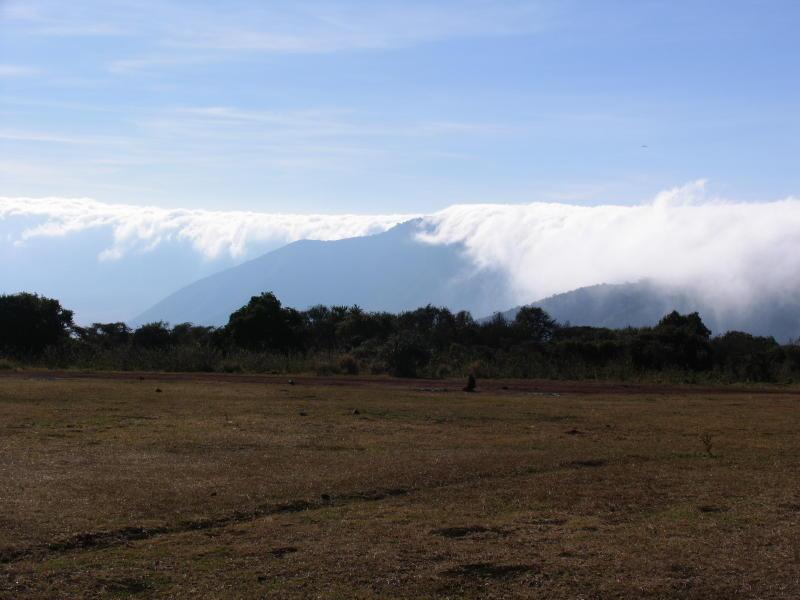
388	271
644	303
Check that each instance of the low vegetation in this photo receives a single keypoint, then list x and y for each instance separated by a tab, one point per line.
216	487
265	336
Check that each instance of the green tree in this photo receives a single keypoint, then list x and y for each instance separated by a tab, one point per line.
534	325
153	335
405	353
29	323
678	341
263	324
105	335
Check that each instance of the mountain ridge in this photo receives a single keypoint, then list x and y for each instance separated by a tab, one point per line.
392	271
645	302
395	271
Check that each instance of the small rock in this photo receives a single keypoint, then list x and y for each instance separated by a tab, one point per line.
158	390
710	508
355	411
303	413
291	382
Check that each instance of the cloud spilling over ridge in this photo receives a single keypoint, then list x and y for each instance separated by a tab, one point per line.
729	253
732	254
211	233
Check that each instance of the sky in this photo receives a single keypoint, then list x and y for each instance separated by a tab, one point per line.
145	144
376	107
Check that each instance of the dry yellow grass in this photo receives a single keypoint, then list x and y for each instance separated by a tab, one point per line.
240	490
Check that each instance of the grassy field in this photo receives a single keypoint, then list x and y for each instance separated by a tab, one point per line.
151	488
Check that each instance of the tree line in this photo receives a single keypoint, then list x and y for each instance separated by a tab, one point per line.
265	336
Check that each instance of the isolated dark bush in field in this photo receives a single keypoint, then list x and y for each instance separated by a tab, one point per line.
471	385
29	323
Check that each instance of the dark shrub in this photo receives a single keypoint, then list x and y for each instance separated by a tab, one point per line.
348	364
405	354
747	357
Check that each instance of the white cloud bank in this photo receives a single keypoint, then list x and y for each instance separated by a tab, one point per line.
211	233
731	252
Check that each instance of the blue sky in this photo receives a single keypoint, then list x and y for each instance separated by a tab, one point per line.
387	107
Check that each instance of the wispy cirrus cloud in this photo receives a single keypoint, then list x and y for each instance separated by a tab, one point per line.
63	19
313	27
47	137
167	34
18	71
224	141
239	124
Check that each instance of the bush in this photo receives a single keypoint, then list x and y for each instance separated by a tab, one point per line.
442	372
378	367
483	369
230	366
325	367
348	364
405	354
7	365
